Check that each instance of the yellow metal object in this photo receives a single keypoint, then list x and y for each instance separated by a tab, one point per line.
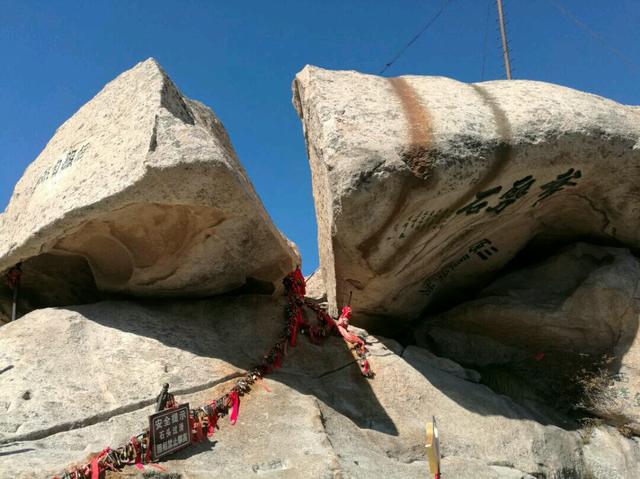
433	447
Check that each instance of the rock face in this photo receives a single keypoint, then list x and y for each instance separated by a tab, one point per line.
581	302
424	186
140	193
320	417
315	287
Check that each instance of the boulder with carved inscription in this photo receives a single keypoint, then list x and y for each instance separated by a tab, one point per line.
141	193
424	187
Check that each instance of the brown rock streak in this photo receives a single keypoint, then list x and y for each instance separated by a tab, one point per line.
420	128
415	157
416	114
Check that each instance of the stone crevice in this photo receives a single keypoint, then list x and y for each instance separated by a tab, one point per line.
335	467
600	211
107	415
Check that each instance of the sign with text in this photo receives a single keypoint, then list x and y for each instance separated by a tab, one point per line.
169	430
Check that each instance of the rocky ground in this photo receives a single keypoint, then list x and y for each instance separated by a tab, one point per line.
91	379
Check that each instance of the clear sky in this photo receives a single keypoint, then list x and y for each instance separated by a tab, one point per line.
239	58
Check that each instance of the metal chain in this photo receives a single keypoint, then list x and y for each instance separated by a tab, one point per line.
138	451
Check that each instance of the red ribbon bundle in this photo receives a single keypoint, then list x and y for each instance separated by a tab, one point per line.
360	347
296	292
206	418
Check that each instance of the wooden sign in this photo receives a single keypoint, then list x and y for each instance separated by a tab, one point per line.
169	431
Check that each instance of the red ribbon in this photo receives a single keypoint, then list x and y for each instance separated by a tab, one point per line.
328	320
137	449
298	286
199	431
147	456
235	406
194	428
297	289
298	322
343	325
95	466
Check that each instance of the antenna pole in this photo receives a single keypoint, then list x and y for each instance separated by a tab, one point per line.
503	34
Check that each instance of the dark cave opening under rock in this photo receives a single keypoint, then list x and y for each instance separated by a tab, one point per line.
553	330
64	279
50	280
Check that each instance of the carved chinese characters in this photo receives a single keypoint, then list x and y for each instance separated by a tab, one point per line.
425	186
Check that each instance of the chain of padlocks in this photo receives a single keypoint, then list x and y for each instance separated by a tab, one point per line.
203	420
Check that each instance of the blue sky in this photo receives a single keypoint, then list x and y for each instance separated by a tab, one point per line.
239	58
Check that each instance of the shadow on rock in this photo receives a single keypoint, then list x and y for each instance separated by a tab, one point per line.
122	352
558	335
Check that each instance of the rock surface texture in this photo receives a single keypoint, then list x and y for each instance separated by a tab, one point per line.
426	185
140	193
580	303
96	383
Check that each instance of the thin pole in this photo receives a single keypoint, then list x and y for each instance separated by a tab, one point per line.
13	278
503	34
14	308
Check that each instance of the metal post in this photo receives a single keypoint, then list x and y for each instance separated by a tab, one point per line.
13	278
14	307
503	34
163	398
433	448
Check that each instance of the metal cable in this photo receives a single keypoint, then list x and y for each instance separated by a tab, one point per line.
594	34
416	36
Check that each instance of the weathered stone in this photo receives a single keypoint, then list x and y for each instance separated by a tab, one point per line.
94	383
624	390
424	186
109	358
139	193
581	302
315	289
608	455
447	365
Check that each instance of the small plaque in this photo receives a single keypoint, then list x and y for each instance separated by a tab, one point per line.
169	431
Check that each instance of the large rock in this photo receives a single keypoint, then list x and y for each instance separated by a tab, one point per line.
94	384
139	193
575	307
424	186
